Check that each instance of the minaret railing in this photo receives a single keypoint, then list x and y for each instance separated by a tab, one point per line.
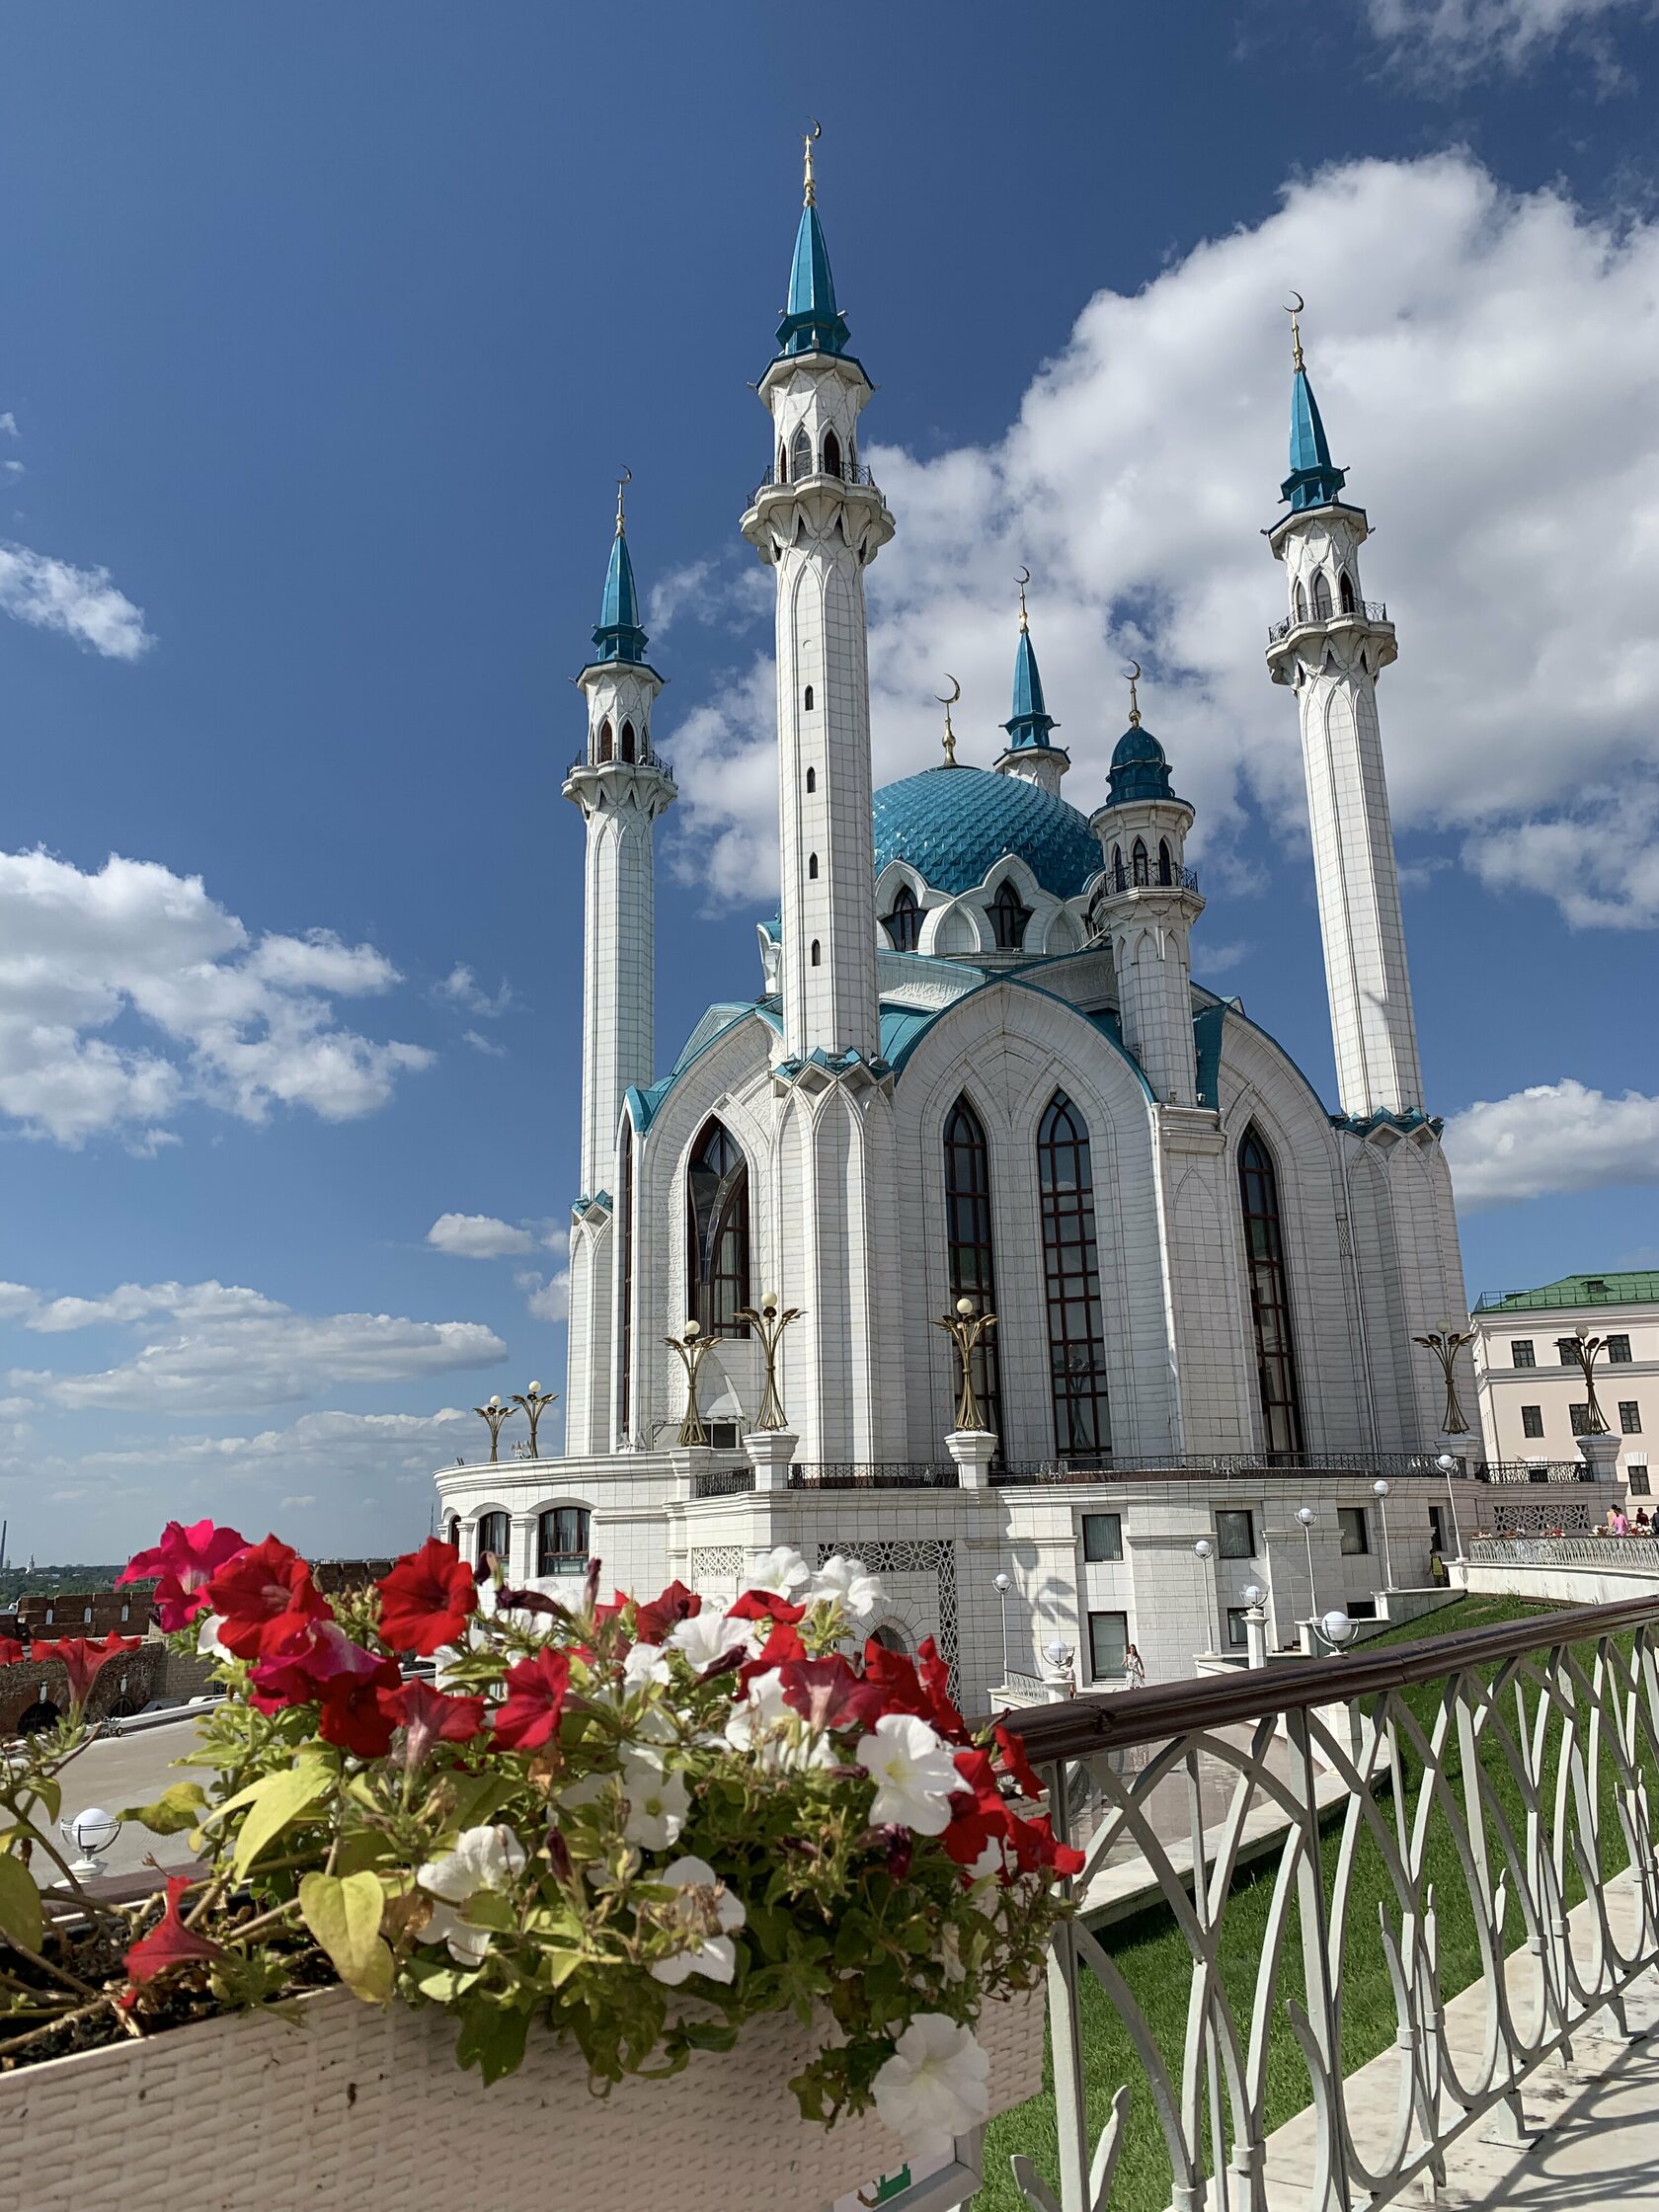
1363	610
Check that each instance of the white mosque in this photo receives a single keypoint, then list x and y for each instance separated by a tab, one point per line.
977	1066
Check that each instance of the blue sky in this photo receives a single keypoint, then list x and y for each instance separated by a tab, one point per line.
323	335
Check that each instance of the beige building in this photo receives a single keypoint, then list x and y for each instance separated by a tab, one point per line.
1530	1387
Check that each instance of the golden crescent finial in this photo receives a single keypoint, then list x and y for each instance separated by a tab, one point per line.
622	481
1295	328
1022	580
1133	672
809	188
949	739
955	691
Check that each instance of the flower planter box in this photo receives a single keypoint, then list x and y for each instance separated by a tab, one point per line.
368	2106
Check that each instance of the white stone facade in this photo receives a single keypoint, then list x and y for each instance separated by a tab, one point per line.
1528	1391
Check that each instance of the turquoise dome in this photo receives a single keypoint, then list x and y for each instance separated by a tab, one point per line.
952	826
1138	768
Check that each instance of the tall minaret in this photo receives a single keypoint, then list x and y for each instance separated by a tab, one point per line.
621	788
1330	649
819	521
1029	752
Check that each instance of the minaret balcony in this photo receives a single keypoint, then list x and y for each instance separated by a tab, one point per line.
857	474
1154	875
1365	610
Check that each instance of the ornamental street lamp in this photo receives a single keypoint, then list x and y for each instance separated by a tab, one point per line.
966	1329
1445	1344
1204	1552
535	1402
1337	1630
692	1348
1306	1515
770	1324
1002	1584
1585	1349
1448	1466
1379	1491
493	1416
90	1832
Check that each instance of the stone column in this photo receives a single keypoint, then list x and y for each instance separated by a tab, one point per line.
772	1453
973	1450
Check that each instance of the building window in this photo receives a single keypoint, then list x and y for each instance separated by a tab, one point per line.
562	1540
604	741
808	703
812	774
811	867
717	1232
723	1434
1618	1351
1071	1282
627	740
1009	917
625	1284
903	923
967	1232
816	956
1346	594
1521	1352
1354	1528
491	1535
1322	596
1238	1631
1235	1534
800	454
1579	1416
1566	1350
1270	1297
1437	1529
1102	1536
1531	1420
1301	604
1636	1474
831	454
1361	1609
1166	867
453	1530
1138	865
1108	1644
1629	1417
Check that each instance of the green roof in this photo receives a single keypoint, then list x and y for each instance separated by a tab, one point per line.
1639	1286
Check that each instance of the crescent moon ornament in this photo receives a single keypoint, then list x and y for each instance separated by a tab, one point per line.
1298	304
949	739
1133	672
1022	580
1295	328
955	694
808	187
622	481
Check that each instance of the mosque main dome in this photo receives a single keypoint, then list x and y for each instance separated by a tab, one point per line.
953	823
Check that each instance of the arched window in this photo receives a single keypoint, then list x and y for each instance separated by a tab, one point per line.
784	464
800	454
812	774
1071	1279
1347	592
968	1236
903	923
816	956
1166	867
812	866
891	1637
808	702
831	454
562	1539
1008	916
627	740
605	739
717	1232
1301	604
492	1534
1270	1295
453	1530
1117	868
1322	596
1138	865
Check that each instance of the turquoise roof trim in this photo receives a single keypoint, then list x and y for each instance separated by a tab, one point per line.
1030	722
812	323
1208	1023
953	825
1313	481
617	635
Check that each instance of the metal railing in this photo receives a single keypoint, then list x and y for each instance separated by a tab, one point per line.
872	1475
1467	1821
1153	875
855	473
1154	1467
1533	1470
1636	1552
722	1482
1362	610
1594	1292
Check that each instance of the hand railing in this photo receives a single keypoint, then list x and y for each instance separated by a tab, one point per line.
1362	610
872	1475
854	473
1104	1468
722	1482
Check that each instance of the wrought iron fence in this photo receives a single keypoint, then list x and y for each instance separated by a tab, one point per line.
855	473
1487	1785
1533	1470
722	1482
1362	610
1151	875
1637	1553
1157	1467
872	1475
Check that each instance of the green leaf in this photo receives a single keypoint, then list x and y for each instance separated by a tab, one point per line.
21	1916
344	1912
273	1804
437	1979
182	1806
492	2039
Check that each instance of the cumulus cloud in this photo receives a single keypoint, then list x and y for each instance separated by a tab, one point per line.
476	1236
1464	37
211	1347
1552	1137
1600	863
229	1020
1484	363
51	595
460	987
546	1297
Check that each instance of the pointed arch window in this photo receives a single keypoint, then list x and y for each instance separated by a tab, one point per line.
811	867
969	1242
817	955
717	1232
1322	596
903	920
1166	867
1071	1282
1270	1297
1139	865
808	702
453	1530
800	454
812	774
1301	604
627	740
784	464
831	454
605	743
1008	916
1346	592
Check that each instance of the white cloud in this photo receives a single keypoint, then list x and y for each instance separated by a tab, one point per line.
291	1505
1464	36
236	1022
548	1299
51	595
476	1236
1552	1137
460	987
8	425
483	1045
1600	863
1484	363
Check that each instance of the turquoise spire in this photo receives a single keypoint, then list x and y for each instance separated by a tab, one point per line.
812	323
1314	480
618	635
1030	723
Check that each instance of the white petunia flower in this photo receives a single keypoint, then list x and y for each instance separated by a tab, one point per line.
695	1882
645	1663
207	1642
656	1802
585	1790
783	1572
914	1775
707	1637
771	1732
849	1584
483	1858
935	2086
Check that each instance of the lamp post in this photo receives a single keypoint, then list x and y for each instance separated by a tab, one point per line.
1379	1491
1063	1679
1336	1630
1255	1623
493	1416
965	1330
692	1348
1448	1466
1306	1515
90	1832
1204	1552
1002	1584
1445	1344
768	1325
1585	1349
535	1402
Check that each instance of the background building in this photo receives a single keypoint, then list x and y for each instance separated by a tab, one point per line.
1531	1385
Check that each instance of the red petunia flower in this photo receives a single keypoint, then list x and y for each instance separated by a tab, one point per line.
536	1700
83	1661
829	1694
171	1942
257	1592
765	1605
11	1651
430	1716
183	1561
301	1662
652	1623
427	1600
1017	1766
351	1717
896	1679
782	1648
935	1683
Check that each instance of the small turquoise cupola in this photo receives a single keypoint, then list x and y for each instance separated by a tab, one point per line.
1313	481
617	636
812	323
1139	769
1029	752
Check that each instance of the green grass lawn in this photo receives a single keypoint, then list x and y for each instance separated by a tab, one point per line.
1155	1962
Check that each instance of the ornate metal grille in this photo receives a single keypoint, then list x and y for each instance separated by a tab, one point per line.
934	1555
